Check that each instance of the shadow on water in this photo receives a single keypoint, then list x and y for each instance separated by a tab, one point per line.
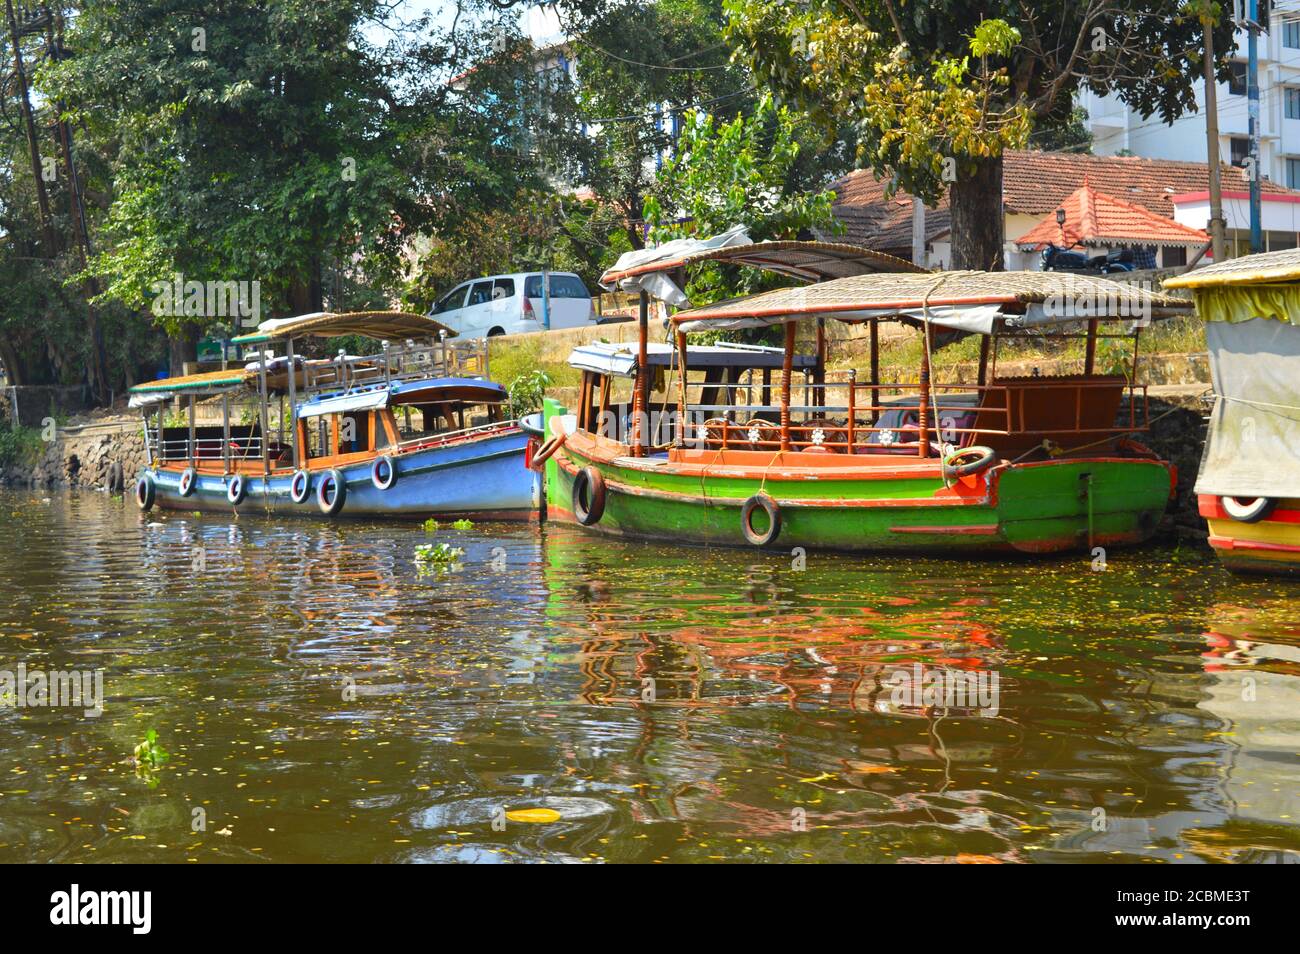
320	700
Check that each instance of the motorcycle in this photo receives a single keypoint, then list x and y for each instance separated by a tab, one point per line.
1056	258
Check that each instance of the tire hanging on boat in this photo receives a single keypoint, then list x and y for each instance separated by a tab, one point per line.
768	506
145	490
188	478
383	463
546	452
588	496
300	486
968	461
331	505
236	490
1248	509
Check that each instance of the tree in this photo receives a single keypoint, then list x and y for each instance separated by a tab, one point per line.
939	91
736	173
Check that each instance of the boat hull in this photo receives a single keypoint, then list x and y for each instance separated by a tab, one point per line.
1045	507
482	478
1271	545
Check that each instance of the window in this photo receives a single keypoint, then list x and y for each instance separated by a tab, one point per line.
562	286
480	294
1239	148
1291	34
568	286
505	287
452	300
1293	173
1291	101
1172	256
1237	82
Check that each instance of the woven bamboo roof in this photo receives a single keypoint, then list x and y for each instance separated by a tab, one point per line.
1249	269
380	325
884	295
807	261
207	381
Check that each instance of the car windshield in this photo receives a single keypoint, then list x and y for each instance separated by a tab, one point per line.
450	300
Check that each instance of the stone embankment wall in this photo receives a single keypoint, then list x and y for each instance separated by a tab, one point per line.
103	455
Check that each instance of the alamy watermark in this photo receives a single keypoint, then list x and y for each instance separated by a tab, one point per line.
24	688
177	297
1075	297
923	687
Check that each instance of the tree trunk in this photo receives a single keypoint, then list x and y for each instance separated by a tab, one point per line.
182	347
975	200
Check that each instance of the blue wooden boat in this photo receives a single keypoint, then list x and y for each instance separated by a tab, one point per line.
417	431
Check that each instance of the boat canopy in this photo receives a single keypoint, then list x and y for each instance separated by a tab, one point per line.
972	302
1266	285
620	359
1251	306
458	392
645	269
380	325
206	384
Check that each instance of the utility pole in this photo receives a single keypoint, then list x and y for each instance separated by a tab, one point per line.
1252	97
918	232
1218	240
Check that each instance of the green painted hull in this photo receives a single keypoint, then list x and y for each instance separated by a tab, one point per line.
1035	508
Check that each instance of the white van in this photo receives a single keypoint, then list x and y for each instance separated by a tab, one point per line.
513	304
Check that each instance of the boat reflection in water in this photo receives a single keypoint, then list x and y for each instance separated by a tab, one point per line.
329	702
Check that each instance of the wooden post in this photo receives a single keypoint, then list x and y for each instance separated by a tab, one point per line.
681	388
1090	356
293	402
787	370
641	399
923	410
983	378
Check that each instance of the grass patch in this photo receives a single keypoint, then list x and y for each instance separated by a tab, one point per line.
20	446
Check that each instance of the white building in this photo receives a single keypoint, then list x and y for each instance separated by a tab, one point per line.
1118	129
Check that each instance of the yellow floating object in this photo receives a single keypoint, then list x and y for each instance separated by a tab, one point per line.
536	816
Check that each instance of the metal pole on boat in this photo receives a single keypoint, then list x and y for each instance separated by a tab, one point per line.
148	449
819	374
787	371
642	397
853	406
923	409
225	431
263	400
194	457
293	398
681	388
875	370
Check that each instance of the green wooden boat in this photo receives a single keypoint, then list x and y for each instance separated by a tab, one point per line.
756	446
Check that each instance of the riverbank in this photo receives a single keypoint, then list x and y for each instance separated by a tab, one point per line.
103	450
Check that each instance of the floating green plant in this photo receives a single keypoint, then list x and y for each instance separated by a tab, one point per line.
430	525
436	558
149	754
464	524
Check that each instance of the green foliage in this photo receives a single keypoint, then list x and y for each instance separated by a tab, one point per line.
526	392
736	173
20	446
430	525
464	525
149	754
436	558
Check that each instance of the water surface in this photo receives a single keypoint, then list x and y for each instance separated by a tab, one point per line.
319	700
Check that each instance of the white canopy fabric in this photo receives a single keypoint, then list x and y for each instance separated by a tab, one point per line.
1253	448
356	401
659	285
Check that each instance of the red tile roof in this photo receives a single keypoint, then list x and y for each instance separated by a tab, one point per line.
1095	218
1033	183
